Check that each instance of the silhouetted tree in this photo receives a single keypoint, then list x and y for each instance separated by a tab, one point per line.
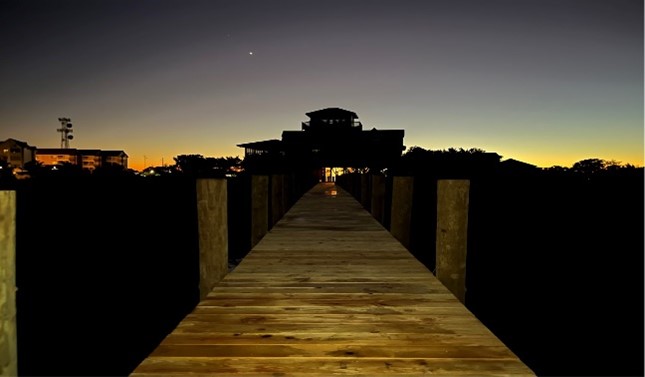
6	173
556	171
190	164
112	170
198	165
223	165
161	171
589	166
67	169
596	167
36	168
451	162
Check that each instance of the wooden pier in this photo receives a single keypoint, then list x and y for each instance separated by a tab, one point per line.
329	291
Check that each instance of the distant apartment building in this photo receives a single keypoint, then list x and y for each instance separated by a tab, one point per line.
56	156
115	157
88	159
16	153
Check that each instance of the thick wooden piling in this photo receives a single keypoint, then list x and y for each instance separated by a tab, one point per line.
277	198
452	234
213	232
259	207
8	338
378	198
286	195
365	191
401	213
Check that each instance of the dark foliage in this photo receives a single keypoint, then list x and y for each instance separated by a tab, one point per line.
196	165
105	268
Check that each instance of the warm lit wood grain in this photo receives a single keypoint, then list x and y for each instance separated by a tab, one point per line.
328	291
8	329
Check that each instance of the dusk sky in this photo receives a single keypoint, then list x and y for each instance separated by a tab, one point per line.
549	82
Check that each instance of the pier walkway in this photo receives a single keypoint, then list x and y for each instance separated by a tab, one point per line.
329	291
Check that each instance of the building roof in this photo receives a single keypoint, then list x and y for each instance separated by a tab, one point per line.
74	151
262	145
518	164
114	153
56	151
18	142
331	112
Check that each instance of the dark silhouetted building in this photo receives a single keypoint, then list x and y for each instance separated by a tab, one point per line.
16	153
88	159
333	138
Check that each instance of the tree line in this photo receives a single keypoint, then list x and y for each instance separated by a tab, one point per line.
416	160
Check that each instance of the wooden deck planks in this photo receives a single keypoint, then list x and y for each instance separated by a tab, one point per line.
328	291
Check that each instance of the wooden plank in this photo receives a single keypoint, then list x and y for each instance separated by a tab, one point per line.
332	350
358	277
326	296
290	318
446	309
308	337
277	287
328	291
354	328
347	366
367	302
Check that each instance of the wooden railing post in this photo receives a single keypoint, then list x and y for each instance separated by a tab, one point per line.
259	207
356	185
365	191
8	337
285	193
277	195
292	189
378	198
452	234
401	213
212	216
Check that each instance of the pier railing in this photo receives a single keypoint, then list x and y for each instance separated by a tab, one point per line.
391	201
226	212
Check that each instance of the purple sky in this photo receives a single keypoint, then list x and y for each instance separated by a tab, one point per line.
546	82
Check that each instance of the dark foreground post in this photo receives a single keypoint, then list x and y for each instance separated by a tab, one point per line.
277	198
378	198
401	214
452	233
259	208
8	338
285	194
365	191
212	220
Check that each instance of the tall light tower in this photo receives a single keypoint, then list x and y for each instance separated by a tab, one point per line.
65	131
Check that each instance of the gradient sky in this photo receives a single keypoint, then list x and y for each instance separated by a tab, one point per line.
549	82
